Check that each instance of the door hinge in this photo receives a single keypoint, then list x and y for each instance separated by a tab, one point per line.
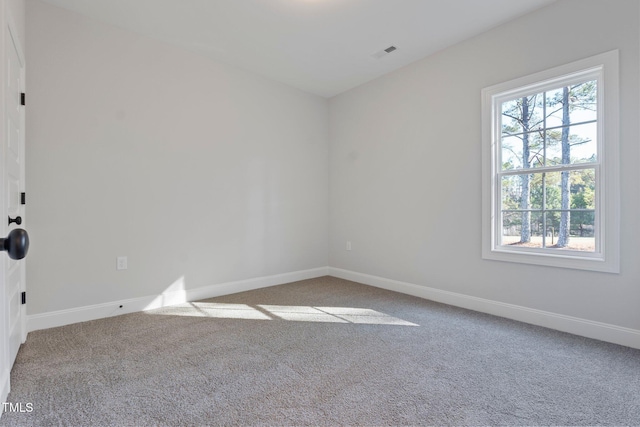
24	298
22	98
23	198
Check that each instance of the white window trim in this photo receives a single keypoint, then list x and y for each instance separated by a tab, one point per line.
607	255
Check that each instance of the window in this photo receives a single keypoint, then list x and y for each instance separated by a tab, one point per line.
550	167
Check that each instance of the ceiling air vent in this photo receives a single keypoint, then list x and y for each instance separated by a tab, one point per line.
384	52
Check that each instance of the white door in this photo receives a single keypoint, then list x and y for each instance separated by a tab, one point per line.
14	186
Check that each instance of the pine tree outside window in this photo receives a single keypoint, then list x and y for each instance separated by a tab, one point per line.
550	174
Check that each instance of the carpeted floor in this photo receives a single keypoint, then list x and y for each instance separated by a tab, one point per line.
320	352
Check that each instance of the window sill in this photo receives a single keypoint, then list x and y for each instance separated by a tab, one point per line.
569	259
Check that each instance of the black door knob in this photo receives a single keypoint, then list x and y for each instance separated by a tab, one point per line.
17	220
16	243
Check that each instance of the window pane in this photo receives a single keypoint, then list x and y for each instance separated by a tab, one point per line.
552	224
522	130
522	115
511	192
512	227
522	229
580	146
583	189
552	191
581	231
511	152
522	192
583	228
580	100
513	149
511	117
536	191
579	188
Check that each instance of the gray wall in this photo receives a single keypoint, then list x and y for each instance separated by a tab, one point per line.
201	172
405	166
198	172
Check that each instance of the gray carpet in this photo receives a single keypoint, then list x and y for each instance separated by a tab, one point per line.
320	352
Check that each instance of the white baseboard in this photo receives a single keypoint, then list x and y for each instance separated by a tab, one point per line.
574	325
99	311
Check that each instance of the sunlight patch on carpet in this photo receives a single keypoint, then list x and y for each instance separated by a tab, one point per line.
220	311
334	314
292	313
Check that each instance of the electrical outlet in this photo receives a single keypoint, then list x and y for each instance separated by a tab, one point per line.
121	263
348	245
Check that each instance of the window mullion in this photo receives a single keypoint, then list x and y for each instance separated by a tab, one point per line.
544	181
556	168
544	211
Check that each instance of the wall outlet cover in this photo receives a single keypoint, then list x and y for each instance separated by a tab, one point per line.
121	263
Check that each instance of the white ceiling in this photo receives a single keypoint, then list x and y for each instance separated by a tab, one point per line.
320	46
